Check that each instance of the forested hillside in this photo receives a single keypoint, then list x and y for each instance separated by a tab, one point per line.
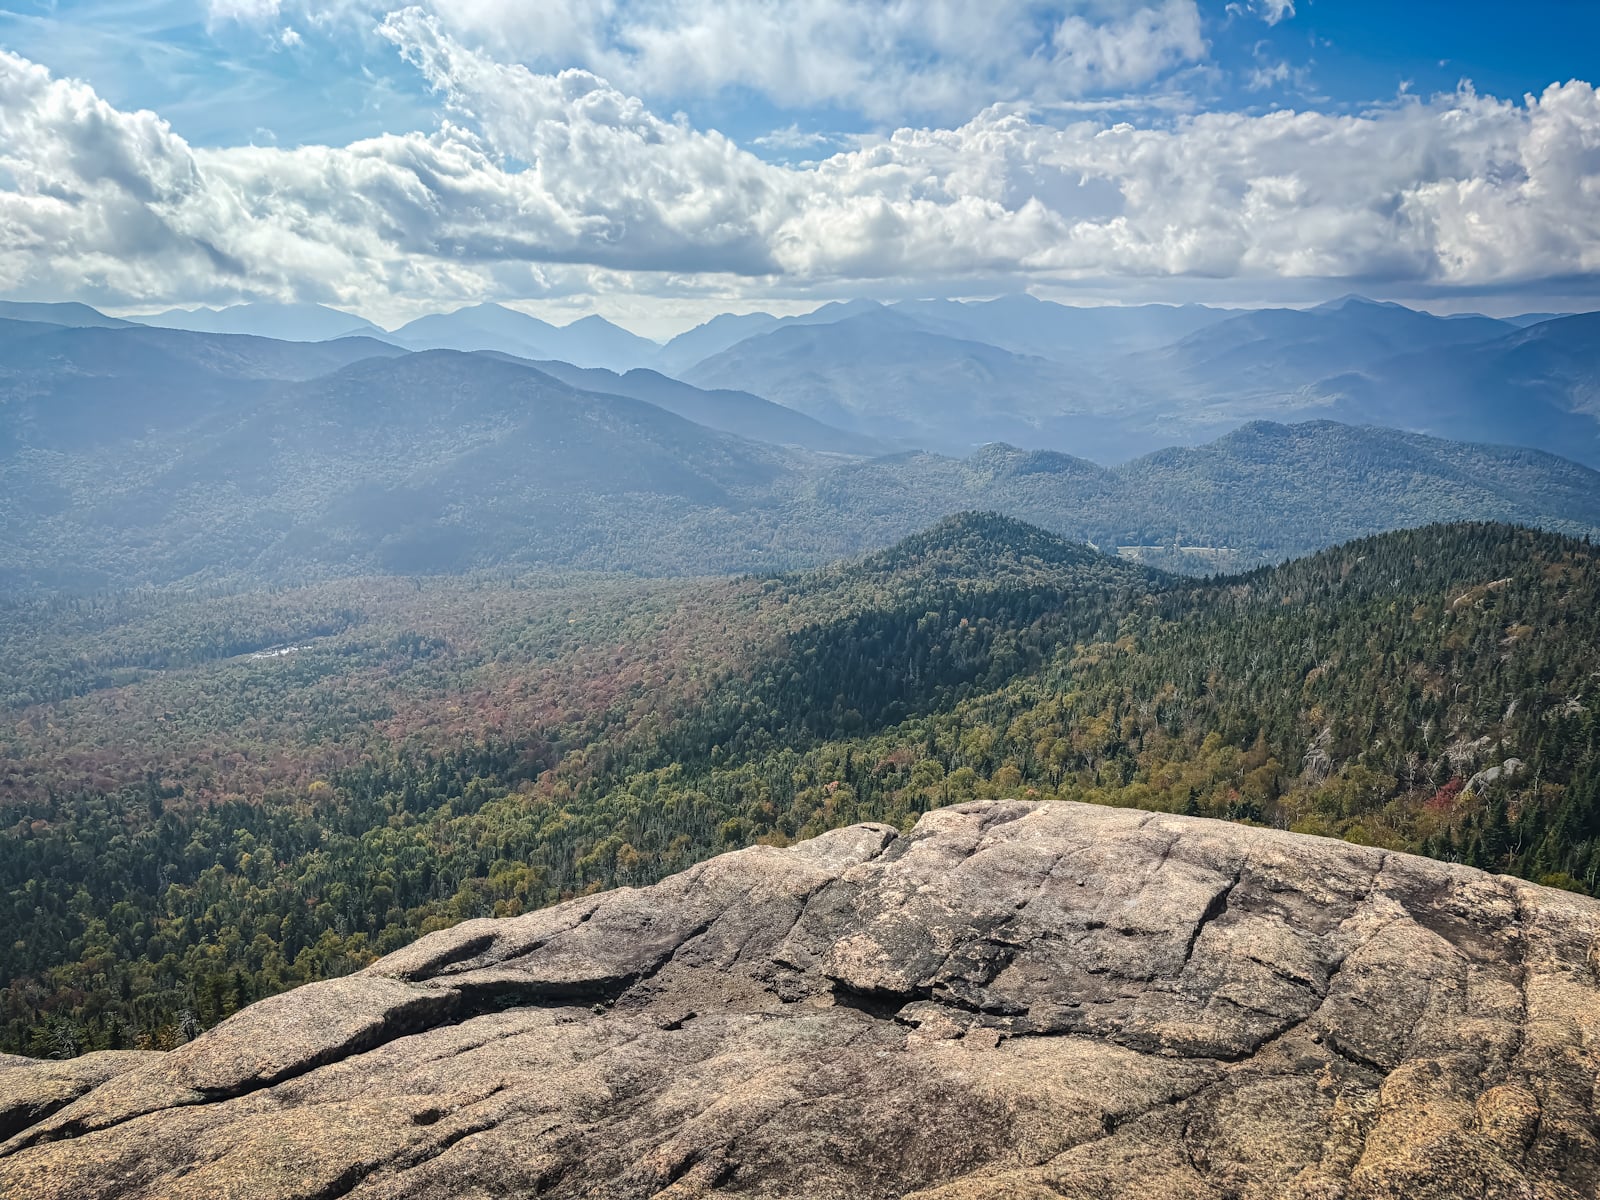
282	787
166	457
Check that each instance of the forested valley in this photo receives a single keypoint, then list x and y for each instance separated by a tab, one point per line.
211	796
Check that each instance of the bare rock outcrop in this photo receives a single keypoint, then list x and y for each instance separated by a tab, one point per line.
1013	1001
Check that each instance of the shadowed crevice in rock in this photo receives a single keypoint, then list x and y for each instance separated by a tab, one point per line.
31	1090
1013	1000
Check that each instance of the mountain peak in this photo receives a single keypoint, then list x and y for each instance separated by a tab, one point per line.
1354	300
986	548
837	310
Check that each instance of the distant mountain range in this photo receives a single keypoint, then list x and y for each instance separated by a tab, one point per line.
1108	383
1024	324
1105	384
287	322
888	376
590	342
1538	386
711	338
74	315
66	388
134	455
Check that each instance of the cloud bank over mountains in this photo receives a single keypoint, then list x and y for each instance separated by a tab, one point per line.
550	182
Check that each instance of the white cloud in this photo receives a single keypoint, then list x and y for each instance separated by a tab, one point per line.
1267	75
1272	11
793	139
891	60
560	183
252	12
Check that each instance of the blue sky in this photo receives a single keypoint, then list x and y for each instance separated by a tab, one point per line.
223	81
713	154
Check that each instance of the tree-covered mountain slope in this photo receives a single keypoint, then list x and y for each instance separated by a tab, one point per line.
1261	494
284	786
1430	690
131	456
1538	386
437	461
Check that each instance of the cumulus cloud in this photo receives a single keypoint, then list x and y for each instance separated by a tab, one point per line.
793	138
550	181
892	61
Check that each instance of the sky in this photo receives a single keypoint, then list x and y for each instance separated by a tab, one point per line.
660	162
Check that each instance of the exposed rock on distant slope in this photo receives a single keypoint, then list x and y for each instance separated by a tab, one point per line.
1013	1001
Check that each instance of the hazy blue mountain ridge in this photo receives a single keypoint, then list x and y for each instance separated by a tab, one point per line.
287	322
589	342
146	455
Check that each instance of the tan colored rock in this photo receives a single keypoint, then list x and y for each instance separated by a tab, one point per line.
1014	1001
31	1089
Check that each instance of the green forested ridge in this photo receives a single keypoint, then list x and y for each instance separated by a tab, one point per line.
1355	693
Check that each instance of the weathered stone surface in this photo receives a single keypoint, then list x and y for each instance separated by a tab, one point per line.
1015	1000
31	1090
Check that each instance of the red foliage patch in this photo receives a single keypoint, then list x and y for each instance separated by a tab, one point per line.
1444	800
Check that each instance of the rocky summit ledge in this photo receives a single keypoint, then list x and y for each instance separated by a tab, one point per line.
1015	1000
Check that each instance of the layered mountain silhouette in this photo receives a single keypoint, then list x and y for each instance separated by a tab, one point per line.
1108	383
889	376
1114	383
730	411
1537	386
289	322
74	315
134	455
1066	333
590	342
